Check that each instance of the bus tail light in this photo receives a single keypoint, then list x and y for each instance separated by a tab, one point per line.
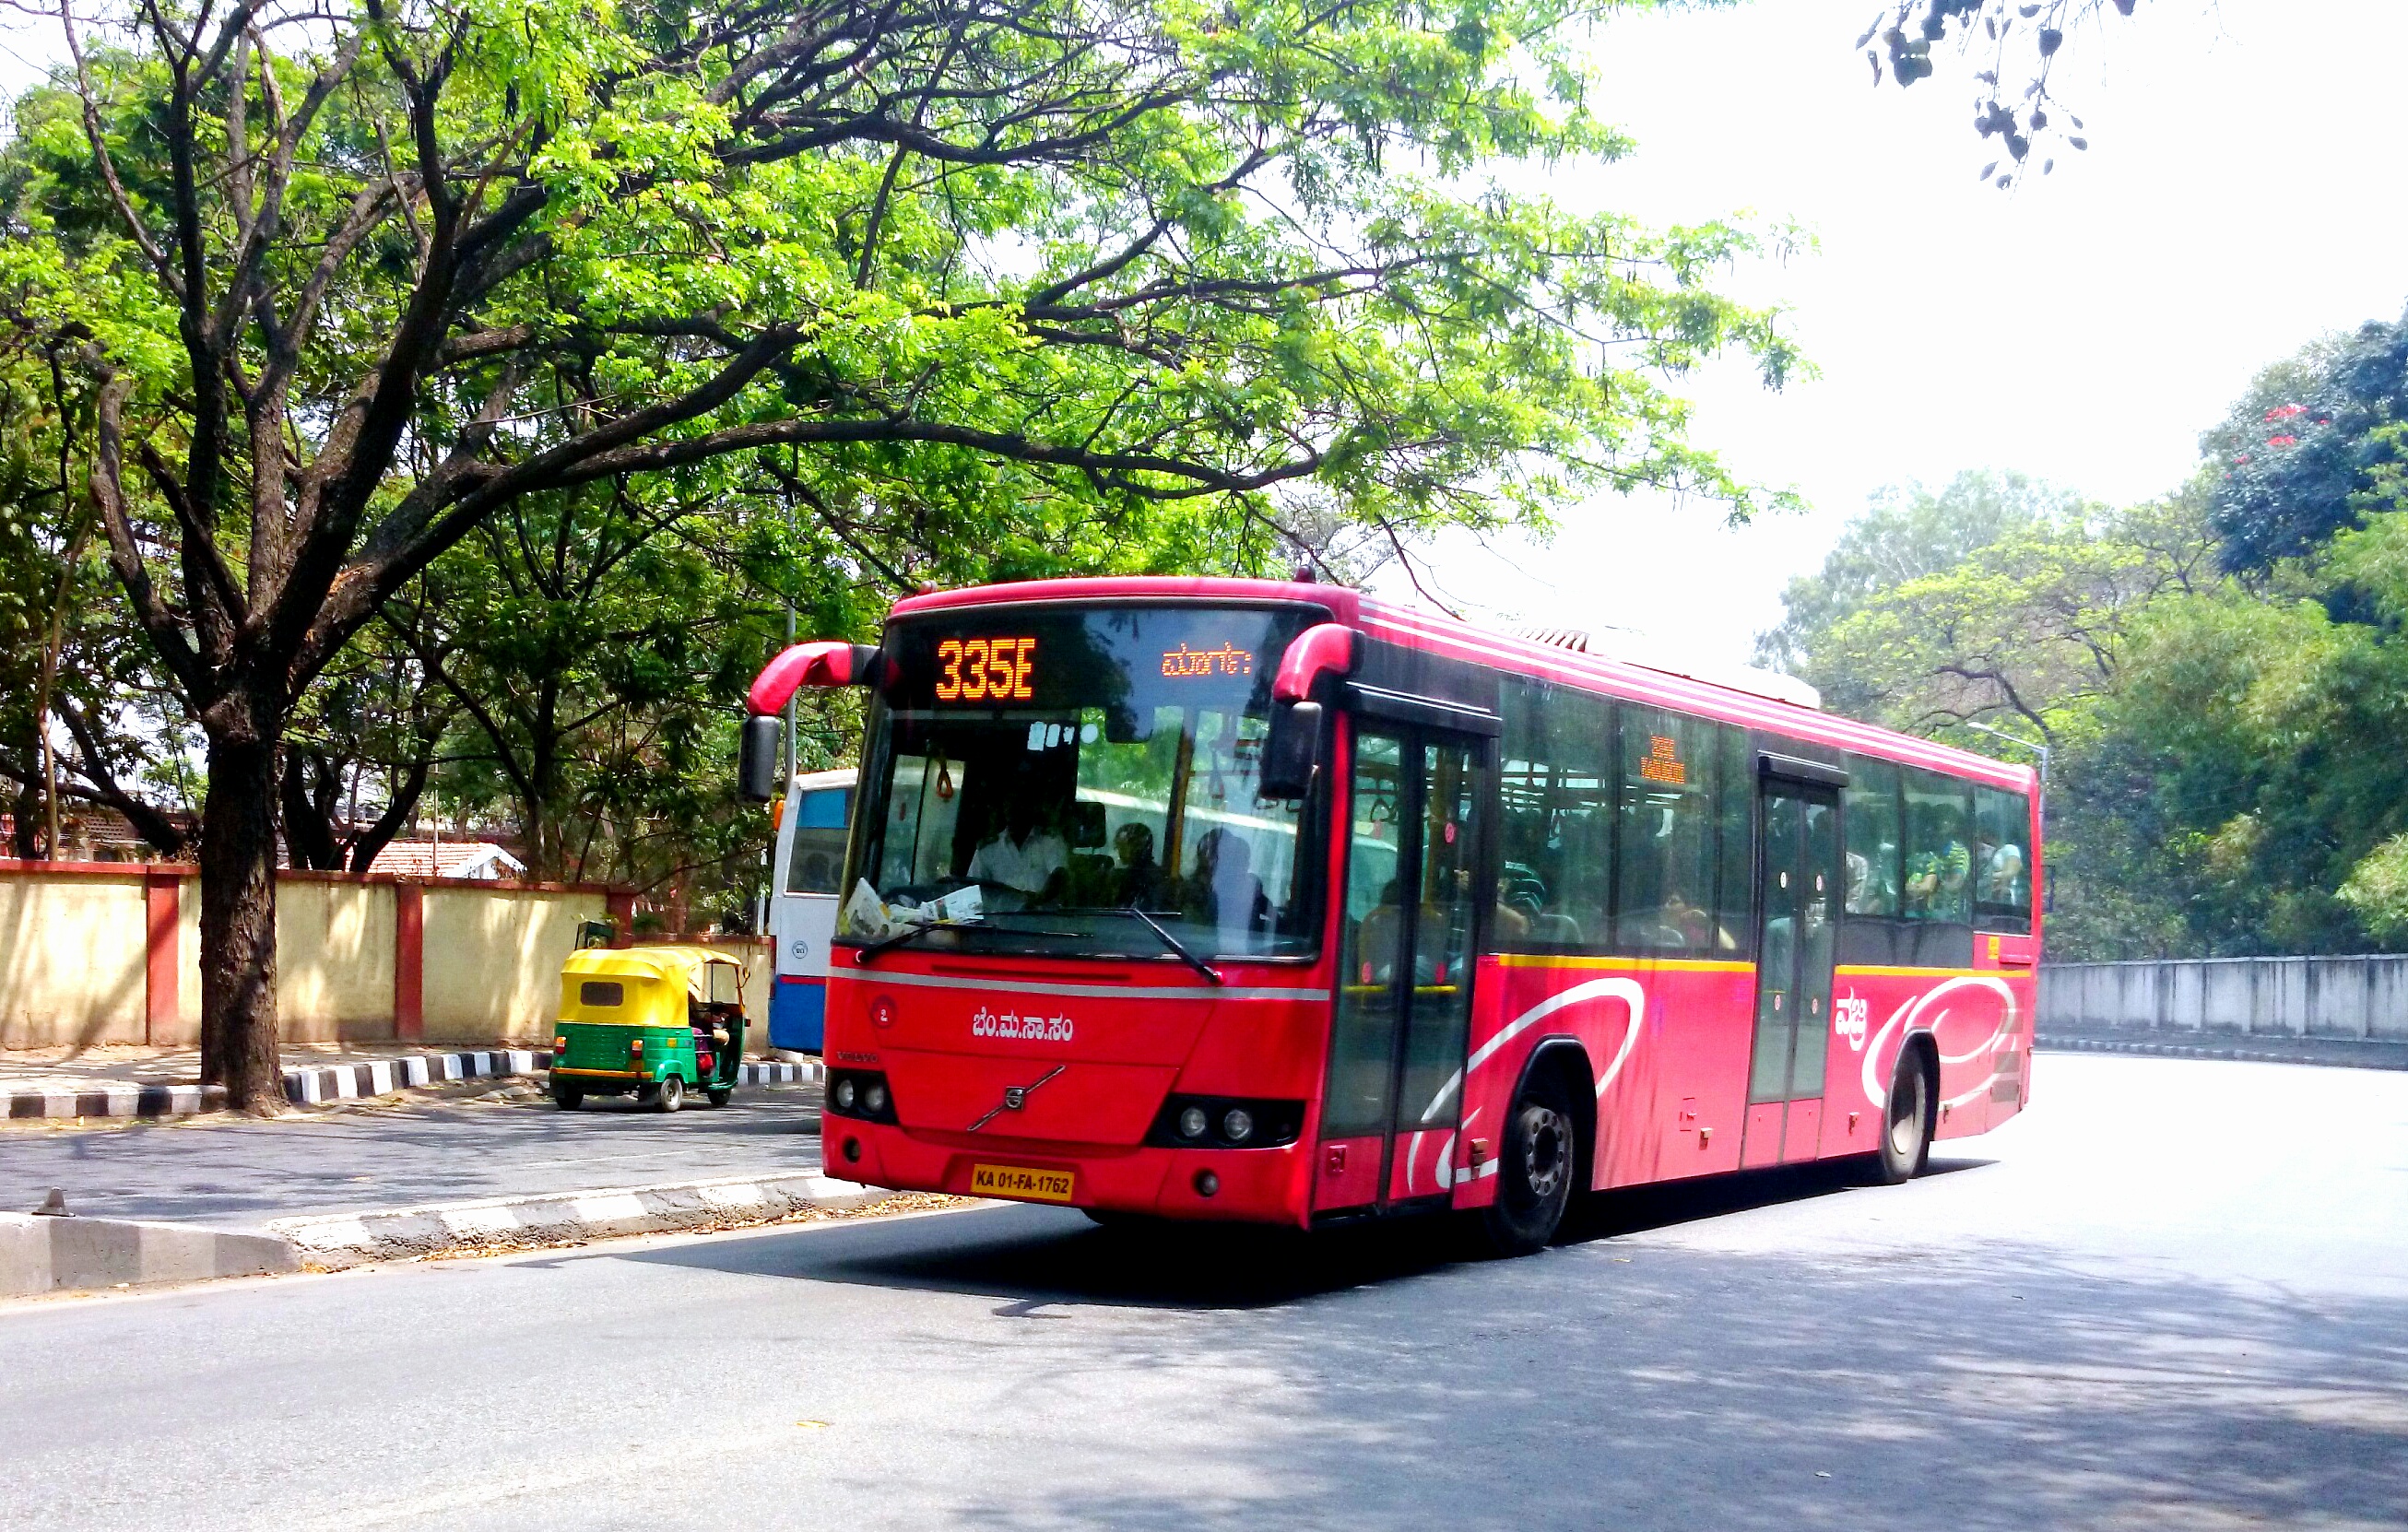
1226	1122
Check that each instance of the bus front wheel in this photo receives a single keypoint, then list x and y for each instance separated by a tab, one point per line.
1534	1176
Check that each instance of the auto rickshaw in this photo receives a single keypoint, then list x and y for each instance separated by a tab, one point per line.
658	1021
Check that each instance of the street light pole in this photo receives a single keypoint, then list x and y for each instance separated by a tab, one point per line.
2033	745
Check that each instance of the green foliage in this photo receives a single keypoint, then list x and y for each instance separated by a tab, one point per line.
2313	442
2377	890
2226	777
469	389
1998	594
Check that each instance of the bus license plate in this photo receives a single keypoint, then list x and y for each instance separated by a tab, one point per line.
1021	1181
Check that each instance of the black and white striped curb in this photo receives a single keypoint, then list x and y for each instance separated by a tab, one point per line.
2337	1056
311	1087
353	1081
114	1100
332	1242
382	1077
41	1255
809	1072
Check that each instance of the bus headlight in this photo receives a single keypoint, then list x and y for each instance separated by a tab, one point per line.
860	1092
1224	1121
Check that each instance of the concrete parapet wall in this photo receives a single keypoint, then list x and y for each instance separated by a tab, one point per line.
2360	997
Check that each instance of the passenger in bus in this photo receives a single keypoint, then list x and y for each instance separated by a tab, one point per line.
1507	924
1026	860
1225	890
2002	876
1936	875
1142	881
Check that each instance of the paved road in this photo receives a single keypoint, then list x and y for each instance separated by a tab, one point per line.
2173	1296
239	1173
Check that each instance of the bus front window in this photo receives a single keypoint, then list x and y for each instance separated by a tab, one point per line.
1073	764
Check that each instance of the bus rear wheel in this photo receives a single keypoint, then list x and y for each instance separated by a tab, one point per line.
1534	1176
1906	1121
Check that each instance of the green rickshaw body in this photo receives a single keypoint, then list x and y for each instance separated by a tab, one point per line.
654	1021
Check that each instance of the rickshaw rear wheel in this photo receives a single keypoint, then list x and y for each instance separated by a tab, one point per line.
720	1098
567	1098
672	1094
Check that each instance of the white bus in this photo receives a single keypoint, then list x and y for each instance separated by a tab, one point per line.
811	829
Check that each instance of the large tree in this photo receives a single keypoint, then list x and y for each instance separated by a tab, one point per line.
341	282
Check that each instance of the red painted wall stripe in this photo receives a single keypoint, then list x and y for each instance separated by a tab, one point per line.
161	909
408	962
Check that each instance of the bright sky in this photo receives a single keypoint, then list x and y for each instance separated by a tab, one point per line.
2086	328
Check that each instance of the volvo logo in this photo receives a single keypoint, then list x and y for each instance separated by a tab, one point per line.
1016	1096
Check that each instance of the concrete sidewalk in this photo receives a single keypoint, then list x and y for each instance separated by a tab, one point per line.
505	1140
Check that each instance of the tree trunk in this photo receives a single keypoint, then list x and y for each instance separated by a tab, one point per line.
238	922
23	837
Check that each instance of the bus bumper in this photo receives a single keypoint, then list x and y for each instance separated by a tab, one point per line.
1237	1185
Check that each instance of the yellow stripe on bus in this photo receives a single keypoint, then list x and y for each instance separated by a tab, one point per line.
1678	965
1876	971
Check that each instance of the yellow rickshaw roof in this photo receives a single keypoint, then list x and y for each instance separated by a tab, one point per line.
673	965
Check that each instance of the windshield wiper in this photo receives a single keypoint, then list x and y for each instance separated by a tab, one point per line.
912	932
1186	956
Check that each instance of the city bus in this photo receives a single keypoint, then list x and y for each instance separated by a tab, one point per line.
808	860
1203	898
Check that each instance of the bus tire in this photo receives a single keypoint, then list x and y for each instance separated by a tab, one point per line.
1535	1173
671	1093
567	1098
1906	1120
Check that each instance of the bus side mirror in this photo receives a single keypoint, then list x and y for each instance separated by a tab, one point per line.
1292	752
756	763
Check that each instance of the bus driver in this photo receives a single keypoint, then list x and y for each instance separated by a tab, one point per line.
1025	861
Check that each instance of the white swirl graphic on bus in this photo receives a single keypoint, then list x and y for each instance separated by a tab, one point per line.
1634	1000
1910	1017
987	1023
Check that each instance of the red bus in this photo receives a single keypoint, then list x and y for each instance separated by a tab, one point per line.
1246	899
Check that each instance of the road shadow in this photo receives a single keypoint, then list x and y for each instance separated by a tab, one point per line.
1039	1257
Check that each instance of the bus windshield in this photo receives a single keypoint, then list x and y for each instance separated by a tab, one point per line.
1035	774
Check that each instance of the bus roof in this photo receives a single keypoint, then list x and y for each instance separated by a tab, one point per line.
1411	628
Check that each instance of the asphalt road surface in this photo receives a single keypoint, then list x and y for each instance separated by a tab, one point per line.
2173	1295
489	1140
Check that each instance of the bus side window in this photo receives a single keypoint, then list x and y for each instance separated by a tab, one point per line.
1869	922
815	864
2001	860
1666	849
1735	879
1938	891
1556	819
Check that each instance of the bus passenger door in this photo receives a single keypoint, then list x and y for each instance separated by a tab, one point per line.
1404	998
1798	861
